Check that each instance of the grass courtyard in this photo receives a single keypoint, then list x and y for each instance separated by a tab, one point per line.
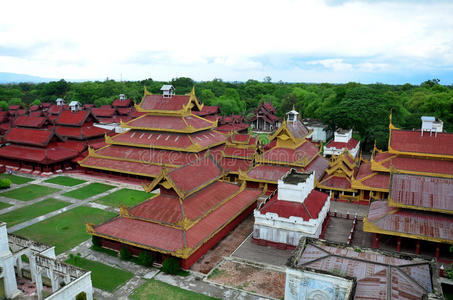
103	277
66	230
88	191
154	289
65	180
29	192
16	179
126	197
4	205
25	213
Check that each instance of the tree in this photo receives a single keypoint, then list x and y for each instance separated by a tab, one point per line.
36	102
15	101
4	105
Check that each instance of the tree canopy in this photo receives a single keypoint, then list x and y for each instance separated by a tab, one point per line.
364	108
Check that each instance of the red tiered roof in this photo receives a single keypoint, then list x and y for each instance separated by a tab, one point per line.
202	172
55	109
103	112
413	141
436	166
305	151
432	226
77	118
233	127
15	107
148	155
239	152
122	103
422	192
268	172
37	155
309	209
84	132
172	140
128	167
158	102
171	239
169	122
29	136
30	121
319	166
234	164
378	180
351	144
3	116
337	182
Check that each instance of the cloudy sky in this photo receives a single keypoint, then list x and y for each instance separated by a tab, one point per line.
338	41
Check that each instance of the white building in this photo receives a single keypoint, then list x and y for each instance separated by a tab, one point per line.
432	124
296	210
320	132
66	281
60	101
74	106
167	90
342	140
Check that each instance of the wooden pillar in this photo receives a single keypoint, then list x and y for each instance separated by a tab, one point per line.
376	241
398	244
417	247
437	254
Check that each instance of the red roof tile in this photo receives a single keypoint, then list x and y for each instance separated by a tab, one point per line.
207	110
55	109
123	111
169	122
202	172
307	210
84	132
413	141
158	102
121	166
103	112
422	191
122	103
436	166
68	117
424	224
234	164
337	182
148	155
233	127
305	151
239	152
29	136
37	113
319	166
268	172
339	145
15	107
297	129
39	155
29	121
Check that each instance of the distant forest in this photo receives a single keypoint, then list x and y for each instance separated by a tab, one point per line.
363	107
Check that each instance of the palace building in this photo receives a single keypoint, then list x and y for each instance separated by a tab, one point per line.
194	166
288	148
416	174
264	118
341	142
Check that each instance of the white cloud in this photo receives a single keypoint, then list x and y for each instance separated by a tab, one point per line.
95	39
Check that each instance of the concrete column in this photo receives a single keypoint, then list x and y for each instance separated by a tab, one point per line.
398	245
54	281
19	266
33	269
417	247
39	284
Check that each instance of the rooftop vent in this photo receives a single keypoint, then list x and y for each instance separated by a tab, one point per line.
431	124
60	101
122	97
292	116
167	90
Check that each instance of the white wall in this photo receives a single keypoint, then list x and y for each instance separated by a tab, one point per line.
70	291
307	285
296	193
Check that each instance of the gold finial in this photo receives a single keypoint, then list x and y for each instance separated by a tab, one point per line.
146	92
294	107
89	228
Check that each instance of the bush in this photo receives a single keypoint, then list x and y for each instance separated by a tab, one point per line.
125	253
81	296
96	241
5	183
171	266
145	258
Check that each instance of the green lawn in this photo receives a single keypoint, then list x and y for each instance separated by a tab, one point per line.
154	289
64	180
67	229
87	191
4	205
32	211
29	192
127	197
102	276
16	179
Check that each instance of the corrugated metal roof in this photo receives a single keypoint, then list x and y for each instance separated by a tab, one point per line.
422	191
